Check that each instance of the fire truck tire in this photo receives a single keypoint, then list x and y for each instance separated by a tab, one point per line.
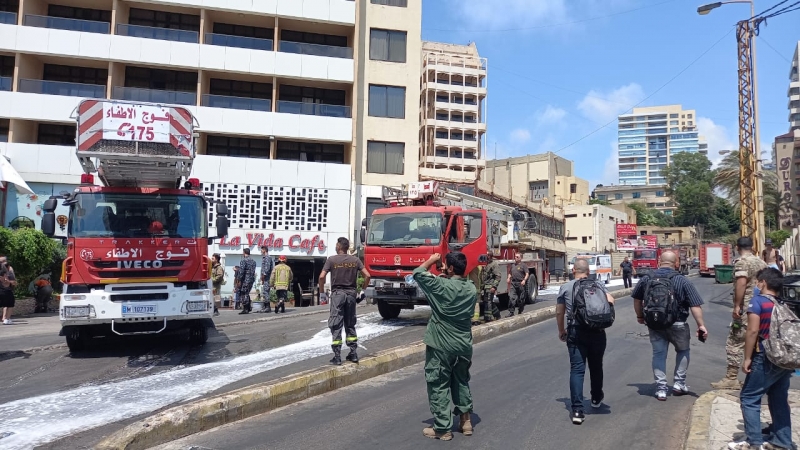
198	334
388	311
77	339
533	290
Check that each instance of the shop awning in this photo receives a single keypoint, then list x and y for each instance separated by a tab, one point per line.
8	174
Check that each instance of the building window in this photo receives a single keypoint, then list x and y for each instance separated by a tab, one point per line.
6	66
314	38
69	12
570	216
162	19
246	89
573	188
572	238
386	45
659	193
244	31
373	204
164	80
386	157
400	3
387	101
617	196
602	197
585	240
673	116
637	195
51	134
69	74
310	152
301	94
235	146
4	124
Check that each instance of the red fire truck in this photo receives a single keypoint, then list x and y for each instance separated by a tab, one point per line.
646	259
713	254
137	246
424	218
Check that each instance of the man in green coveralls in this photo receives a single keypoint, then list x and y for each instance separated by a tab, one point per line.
448	340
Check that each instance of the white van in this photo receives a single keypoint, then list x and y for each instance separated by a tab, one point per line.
599	267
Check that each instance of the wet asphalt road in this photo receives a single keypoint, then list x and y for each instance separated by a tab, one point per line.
520	388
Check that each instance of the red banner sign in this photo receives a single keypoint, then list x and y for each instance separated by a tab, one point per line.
626	236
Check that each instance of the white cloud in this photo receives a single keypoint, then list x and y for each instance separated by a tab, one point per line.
550	115
603	107
718	138
611	167
530	14
520	136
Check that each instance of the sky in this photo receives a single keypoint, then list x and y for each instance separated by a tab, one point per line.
561	71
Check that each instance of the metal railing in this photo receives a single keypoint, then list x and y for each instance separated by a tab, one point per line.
60	23
6	83
153	95
8	18
315	49
229	102
226	40
164	34
314	109
62	88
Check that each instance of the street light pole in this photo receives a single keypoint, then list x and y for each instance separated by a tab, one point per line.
757	138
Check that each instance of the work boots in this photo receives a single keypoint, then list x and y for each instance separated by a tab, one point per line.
465	424
352	357
337	355
433	434
731	380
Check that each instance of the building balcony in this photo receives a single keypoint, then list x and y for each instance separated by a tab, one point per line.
454	161
224	101
455	176
164	34
441	67
153	96
479	126
441	142
225	40
302	48
8	18
449	106
62	88
476	90
6	83
314	109
60	23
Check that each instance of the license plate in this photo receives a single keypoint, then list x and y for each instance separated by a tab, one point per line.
197	306
139	310
76	311
396	285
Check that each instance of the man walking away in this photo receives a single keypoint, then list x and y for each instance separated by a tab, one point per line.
764	377
517	278
217	278
490	279
247	277
344	271
627	271
745	270
663	300
448	343
8	281
578	299
281	280
267	265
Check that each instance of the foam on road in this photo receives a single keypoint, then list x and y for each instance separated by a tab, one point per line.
34	421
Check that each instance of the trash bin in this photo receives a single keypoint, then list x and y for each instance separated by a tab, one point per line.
723	274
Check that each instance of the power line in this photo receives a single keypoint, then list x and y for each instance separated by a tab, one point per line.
779	12
652	94
494	67
769	9
552	25
774	49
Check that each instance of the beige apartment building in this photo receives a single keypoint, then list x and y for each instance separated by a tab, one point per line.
794	91
592	228
452	113
654	196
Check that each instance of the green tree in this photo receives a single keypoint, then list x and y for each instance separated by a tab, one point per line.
646	216
779	237
597	201
727	181
29	252
690	184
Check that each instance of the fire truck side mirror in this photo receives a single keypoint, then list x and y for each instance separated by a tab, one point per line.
363	235
50	205
49	224
364	222
222	209
222	226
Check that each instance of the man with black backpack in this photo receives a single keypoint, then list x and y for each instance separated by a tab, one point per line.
663	300
589	310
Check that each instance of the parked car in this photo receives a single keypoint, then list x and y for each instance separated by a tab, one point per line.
695	263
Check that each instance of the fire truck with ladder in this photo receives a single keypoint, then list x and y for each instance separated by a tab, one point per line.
424	218
137	247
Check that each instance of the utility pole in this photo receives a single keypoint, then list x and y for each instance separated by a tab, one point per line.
748	190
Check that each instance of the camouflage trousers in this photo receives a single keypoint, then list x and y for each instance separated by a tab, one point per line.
734	349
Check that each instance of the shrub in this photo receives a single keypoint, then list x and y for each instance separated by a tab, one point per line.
30	253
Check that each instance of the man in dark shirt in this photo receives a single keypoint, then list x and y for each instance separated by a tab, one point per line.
689	301
344	270
246	277
517	279
627	271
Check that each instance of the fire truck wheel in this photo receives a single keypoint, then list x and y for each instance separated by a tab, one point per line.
532	287
388	311
198	334
77	339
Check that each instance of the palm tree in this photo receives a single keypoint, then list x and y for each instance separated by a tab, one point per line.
727	181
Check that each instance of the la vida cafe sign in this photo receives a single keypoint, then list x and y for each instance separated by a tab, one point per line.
295	242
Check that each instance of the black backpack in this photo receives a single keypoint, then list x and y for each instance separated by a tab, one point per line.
660	305
590	306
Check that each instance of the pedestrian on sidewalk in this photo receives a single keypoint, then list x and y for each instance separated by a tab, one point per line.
344	271
517	280
236	300
217	279
267	266
763	377
7	284
448	343
583	343
490	279
745	270
281	279
627	271
247	277
663	300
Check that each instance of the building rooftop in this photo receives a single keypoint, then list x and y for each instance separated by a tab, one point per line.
624	187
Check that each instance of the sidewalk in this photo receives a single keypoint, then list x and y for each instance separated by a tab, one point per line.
717	420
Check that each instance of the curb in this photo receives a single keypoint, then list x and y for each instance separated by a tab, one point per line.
202	415
700	422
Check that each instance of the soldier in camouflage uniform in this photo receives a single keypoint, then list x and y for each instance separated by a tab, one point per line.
744	272
246	277
490	279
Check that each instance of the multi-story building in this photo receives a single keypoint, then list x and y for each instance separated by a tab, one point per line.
794	91
649	136
654	196
592	228
452	113
303	105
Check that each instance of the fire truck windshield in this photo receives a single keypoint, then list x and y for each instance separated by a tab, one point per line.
644	254
137	215
405	229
